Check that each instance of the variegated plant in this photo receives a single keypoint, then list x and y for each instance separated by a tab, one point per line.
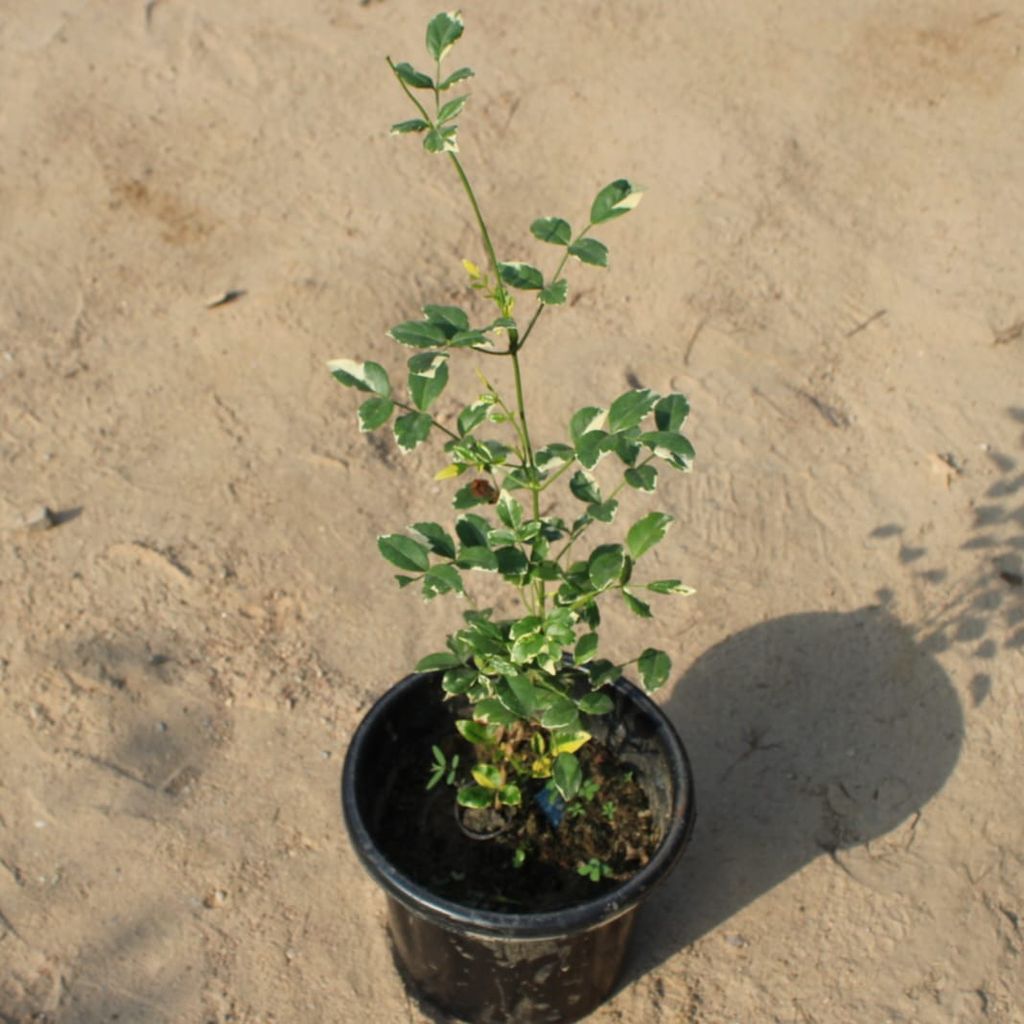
527	681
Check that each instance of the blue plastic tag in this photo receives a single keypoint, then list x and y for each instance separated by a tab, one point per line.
553	806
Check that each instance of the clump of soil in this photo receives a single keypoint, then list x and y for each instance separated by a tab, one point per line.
609	828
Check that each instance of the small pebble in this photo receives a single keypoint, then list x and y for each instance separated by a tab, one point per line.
215	899
40	518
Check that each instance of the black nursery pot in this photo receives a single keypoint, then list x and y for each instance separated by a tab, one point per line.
486	967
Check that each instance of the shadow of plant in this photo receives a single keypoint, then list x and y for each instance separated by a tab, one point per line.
808	734
995	591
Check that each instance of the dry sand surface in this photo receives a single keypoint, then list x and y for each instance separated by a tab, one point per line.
827	262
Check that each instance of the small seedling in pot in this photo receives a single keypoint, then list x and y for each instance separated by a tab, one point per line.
443	768
595	870
530	685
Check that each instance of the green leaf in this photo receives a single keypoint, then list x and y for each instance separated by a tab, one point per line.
440	141
584	486
413	78
629	409
510	795
561	713
488	776
654	667
591	446
437	537
602	672
521	275
646	532
418	334
370	377
635	605
585	421
595	704
442	579
670	587
472	530
474	796
614	200
586	648
606	565
553	454
404	581
443	32
555	294
473	732
455	76
667	445
477	558
546	570
643	478
604	512
551	229
526	649
567	775
590	250
374	413
526	626
428	375
473	415
404	552
441	660
450	319
452	108
492	711
525	693
404	127
625	447
510	512
512	563
411	430
671	412
466	339
508	699
457	681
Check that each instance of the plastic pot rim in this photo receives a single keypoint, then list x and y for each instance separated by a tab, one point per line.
576	918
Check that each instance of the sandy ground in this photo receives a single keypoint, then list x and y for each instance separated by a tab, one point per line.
827	262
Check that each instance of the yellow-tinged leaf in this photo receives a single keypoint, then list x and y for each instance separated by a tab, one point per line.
569	744
541	768
455	469
488	776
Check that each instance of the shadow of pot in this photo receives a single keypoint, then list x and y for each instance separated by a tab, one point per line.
812	733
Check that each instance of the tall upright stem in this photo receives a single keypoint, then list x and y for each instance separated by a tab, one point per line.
486	238
540	591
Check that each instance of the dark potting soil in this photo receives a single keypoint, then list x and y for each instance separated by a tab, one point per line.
612	831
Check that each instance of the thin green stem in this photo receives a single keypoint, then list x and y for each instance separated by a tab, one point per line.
524	439
576	534
540	305
501	298
555	476
440	426
408	92
539	586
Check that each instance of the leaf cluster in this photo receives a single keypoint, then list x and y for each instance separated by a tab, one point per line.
529	684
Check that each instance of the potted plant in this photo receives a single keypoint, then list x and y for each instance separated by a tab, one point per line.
515	796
